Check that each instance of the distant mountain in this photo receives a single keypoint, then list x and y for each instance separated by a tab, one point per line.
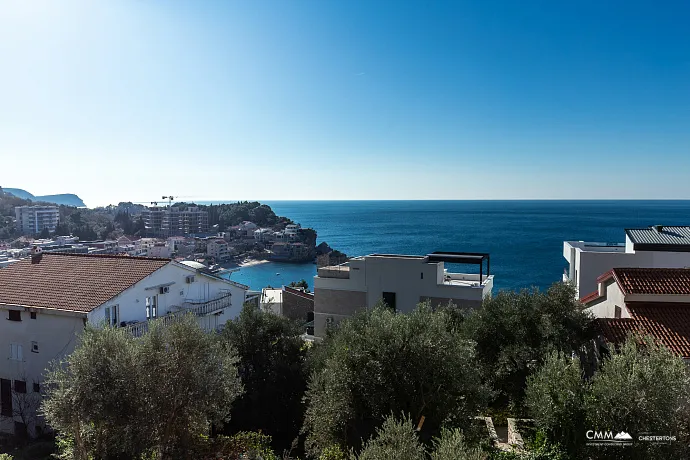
68	199
19	193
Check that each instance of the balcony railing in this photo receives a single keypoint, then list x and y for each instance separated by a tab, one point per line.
196	308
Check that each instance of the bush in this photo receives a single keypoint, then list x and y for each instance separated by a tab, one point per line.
395	439
555	399
380	362
451	445
515	331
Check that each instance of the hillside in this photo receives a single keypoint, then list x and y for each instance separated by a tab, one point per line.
67	199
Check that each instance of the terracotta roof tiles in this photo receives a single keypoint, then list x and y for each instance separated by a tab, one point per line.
76	282
667	323
653	280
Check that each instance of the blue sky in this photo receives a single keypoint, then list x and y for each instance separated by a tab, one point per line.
132	99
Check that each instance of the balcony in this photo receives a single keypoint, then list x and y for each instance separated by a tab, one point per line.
207	308
592	246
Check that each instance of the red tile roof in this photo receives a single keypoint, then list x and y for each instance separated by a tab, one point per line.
76	282
653	280
589	297
667	323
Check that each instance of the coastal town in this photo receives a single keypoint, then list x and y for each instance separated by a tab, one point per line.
334	230
176	265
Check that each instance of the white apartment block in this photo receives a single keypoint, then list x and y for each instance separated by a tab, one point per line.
400	281
652	247
33	219
47	299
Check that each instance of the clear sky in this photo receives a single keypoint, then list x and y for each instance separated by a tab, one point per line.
121	100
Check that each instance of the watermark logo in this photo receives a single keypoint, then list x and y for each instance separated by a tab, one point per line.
656	438
597	437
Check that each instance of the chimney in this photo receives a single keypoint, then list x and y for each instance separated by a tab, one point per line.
659	228
36	254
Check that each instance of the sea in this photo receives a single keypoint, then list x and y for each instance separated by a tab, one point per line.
524	238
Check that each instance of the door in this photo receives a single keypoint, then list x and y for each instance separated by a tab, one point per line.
6	397
389	299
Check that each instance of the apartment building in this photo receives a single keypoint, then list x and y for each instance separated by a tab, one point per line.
644	301
401	281
47	299
164	222
218	249
657	246
34	219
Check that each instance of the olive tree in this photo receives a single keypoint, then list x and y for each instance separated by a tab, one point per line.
272	368
515	331
117	397
640	388
381	362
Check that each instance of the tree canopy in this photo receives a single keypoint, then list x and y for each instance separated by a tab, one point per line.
380	362
639	388
120	397
272	368
515	331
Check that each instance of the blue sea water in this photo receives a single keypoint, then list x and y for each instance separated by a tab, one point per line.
524	238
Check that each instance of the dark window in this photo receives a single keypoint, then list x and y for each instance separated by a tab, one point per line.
617	312
15	315
37	387
20	386
33	315
5	397
422	277
20	430
389	299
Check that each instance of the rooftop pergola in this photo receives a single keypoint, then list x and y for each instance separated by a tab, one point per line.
474	258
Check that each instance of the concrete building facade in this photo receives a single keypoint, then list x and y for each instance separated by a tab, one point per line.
400	281
34	219
653	247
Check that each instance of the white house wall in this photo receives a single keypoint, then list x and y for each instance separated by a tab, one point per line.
132	302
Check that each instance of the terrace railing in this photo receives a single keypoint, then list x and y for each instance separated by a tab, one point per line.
196	308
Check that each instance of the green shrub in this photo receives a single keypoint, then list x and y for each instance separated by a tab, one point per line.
332	453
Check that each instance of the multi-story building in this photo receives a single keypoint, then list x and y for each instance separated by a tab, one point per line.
652	247
164	222
644	301
47	299
34	219
218	249
400	281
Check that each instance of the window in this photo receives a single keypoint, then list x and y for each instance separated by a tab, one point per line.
15	315
112	315
20	386
16	352
422	277
389	300
33	315
37	387
34	347
20	430
5	397
151	307
617	312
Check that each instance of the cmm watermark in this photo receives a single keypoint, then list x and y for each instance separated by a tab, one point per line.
607	438
623	438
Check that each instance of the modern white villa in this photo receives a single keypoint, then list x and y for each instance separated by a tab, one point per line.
46	300
657	246
401	281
